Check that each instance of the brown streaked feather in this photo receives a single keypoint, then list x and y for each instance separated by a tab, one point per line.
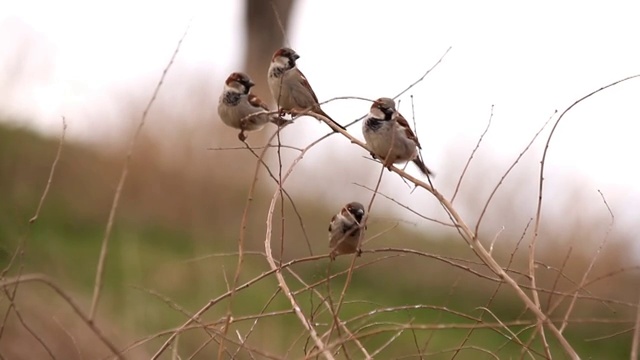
403	123
319	111
255	101
316	109
305	83
425	170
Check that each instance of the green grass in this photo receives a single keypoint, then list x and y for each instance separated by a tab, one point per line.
161	228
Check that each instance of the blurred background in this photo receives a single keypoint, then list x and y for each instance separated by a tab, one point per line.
96	65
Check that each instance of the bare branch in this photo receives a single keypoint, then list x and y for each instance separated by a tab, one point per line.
513	337
281	282
241	238
53	169
405	206
407	88
123	177
466	166
470	237
43	279
423	75
504	176
593	261
536	228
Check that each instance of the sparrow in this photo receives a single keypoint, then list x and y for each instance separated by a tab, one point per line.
240	109
290	88
345	230
389	136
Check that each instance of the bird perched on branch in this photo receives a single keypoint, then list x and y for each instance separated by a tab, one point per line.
345	230
290	88
240	109
389	136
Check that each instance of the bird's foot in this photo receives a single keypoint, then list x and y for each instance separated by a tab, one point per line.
241	136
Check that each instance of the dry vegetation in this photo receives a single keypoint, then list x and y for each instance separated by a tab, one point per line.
198	262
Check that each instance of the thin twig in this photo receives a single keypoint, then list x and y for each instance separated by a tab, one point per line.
69	300
70	335
407	88
328	306
506	173
495	292
228	294
174	350
440	314
592	281
635	345
471	347
26	326
281	190
513	337
18	253
123	177
12	294
386	327
361	227
423	75
281	282
280	25
241	238
495	238
388	342
470	237
202	346
172	304
253	147
560	273
277	181
415	130
53	169
609	336
593	261
466	166
406	207
538	216
255	322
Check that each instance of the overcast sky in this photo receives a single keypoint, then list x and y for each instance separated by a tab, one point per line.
527	59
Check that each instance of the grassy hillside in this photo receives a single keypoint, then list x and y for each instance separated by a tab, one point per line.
172	250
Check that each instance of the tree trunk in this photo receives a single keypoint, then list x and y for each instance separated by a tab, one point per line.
264	36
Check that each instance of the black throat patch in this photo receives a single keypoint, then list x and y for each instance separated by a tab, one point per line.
231	98
375	123
277	72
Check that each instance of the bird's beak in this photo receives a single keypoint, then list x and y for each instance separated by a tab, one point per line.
251	84
361	212
296	56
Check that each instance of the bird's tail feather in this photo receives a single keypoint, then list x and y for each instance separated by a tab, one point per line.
422	167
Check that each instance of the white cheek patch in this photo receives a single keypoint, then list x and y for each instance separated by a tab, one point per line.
282	61
234	87
377	113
